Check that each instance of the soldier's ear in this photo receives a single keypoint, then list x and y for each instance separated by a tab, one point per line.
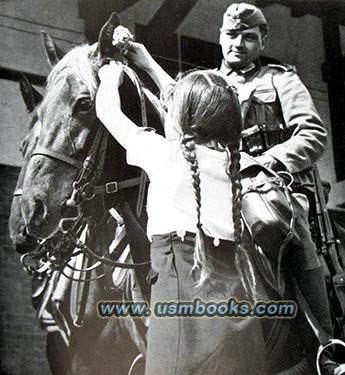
220	38
263	41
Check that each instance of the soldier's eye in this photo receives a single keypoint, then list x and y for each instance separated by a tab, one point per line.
232	35
251	37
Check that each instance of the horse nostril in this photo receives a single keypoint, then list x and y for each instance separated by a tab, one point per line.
39	212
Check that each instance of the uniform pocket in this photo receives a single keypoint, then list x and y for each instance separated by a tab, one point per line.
161	257
268	95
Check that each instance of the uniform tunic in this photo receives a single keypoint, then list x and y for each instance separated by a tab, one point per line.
289	104
273	96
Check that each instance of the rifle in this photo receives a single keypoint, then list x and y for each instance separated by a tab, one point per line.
330	249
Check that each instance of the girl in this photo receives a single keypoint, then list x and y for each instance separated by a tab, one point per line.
193	222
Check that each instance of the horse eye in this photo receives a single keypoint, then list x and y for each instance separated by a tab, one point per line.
83	105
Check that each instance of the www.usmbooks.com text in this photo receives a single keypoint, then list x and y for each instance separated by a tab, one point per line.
198	308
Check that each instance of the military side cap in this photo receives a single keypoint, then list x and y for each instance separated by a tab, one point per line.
242	16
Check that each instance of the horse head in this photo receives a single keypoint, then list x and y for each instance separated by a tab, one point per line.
69	129
21	240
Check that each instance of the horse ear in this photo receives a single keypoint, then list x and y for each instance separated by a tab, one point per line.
53	52
105	47
30	95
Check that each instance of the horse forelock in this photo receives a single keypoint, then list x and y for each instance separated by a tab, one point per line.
80	63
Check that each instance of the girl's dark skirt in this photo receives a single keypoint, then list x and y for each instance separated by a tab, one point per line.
200	345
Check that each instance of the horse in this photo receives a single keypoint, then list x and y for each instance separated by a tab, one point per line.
56	349
52	186
95	345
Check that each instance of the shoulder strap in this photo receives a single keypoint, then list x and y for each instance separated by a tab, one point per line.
284	67
248	163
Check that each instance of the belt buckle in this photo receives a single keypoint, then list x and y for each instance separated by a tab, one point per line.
111	187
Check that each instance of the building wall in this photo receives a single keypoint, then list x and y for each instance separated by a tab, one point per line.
21	49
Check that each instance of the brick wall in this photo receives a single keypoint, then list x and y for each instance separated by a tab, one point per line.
22	342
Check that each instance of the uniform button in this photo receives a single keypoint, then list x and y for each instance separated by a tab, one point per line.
181	233
216	242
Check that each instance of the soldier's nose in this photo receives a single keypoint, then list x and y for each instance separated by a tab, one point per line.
238	41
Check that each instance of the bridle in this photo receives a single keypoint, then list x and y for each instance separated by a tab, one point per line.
85	189
58	156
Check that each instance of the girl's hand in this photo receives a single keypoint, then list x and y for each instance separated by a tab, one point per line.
111	74
139	56
107	99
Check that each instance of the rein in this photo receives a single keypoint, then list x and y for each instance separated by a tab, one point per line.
143	177
107	261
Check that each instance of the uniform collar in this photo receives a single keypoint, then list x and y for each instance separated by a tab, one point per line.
248	70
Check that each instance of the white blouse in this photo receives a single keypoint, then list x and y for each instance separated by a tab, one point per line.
171	204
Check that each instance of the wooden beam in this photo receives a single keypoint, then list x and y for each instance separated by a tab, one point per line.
170	15
334	74
15	75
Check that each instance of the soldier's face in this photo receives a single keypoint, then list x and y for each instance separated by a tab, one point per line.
240	48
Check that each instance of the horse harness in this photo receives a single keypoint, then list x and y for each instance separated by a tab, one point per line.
85	189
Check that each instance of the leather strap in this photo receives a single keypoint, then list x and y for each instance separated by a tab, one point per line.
57	155
101	154
115	186
103	260
265	128
143	178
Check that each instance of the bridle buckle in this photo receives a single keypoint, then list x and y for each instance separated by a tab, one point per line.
111	187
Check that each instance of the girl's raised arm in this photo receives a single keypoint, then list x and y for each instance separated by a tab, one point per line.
140	56
108	103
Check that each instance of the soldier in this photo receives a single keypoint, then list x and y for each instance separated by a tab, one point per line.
282	128
284	125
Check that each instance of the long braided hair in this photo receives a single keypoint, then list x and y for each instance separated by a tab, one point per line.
207	109
242	260
201	261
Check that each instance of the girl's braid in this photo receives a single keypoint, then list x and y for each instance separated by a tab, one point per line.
243	262
200	257
236	187
188	150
